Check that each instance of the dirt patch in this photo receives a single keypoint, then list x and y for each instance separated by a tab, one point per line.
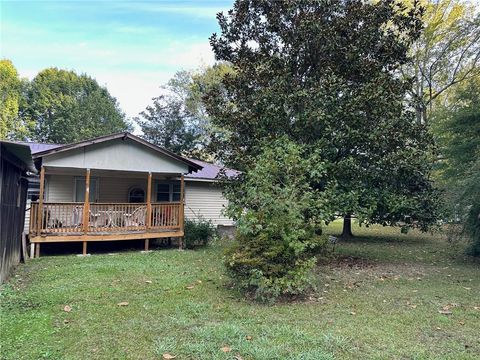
352	262
353	271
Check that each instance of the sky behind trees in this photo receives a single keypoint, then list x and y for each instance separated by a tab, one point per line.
131	47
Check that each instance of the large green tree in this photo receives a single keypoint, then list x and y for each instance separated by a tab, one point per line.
12	125
458	130
169	124
324	74
446	54
67	107
178	119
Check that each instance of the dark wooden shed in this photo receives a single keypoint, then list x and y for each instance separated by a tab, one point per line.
16	161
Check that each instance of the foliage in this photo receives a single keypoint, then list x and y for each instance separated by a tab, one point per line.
197	233
446	54
67	107
458	131
177	120
168	123
325	74
276	242
11	95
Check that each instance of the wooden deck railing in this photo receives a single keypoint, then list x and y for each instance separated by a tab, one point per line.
67	218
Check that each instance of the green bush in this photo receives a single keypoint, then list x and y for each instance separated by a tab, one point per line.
198	233
276	241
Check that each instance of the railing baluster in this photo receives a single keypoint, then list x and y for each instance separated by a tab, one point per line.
67	218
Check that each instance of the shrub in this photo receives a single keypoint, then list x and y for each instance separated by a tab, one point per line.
276	240
198	233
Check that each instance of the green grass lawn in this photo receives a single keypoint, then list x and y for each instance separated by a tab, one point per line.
380	298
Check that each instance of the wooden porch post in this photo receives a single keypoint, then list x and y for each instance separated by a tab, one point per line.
149	207
182	210
86	208
40	202
40	211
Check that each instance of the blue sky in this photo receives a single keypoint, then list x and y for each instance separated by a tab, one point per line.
130	47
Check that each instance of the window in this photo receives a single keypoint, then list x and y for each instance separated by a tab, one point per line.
168	192
33	191
176	190
163	192
80	189
136	195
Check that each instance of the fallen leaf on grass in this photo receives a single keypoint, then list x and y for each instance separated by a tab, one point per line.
248	337
445	312
226	349
467	288
67	308
461	322
167	356
123	303
148	281
353	313
189	287
476	308
237	357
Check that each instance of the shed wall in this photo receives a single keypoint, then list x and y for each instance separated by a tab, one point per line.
13	193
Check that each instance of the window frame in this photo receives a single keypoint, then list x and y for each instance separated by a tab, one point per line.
137	188
76	178
171	185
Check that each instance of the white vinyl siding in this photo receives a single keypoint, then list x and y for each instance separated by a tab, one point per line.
59	188
116	189
201	198
206	200
26	227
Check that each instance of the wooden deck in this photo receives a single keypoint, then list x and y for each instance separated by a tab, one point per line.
84	221
126	235
65	222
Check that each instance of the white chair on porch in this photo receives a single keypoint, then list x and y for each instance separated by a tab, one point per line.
94	218
136	218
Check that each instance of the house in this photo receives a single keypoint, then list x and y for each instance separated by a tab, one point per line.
16	161
119	187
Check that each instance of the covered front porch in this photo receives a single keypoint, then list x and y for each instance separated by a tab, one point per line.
147	206
114	187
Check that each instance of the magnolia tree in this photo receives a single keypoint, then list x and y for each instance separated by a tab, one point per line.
324	75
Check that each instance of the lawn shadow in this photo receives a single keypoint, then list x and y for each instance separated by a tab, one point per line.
103	247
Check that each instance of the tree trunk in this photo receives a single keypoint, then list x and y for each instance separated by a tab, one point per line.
347	227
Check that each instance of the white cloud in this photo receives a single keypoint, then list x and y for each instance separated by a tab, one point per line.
133	87
132	61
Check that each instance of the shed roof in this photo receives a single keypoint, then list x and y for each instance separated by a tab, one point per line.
21	154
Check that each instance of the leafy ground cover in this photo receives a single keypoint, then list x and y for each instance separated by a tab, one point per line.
383	295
